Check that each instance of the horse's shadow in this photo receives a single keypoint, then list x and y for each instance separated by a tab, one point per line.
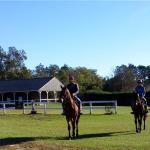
107	134
95	135
19	140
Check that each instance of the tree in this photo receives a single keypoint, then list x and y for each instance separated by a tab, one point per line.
142	72
40	71
2	63
88	79
25	73
64	73
14	62
124	79
52	70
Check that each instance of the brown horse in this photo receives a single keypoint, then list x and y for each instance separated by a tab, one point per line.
139	114
71	111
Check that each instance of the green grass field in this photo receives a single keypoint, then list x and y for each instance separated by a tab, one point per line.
96	132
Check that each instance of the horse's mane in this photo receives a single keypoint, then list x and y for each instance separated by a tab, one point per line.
139	107
68	97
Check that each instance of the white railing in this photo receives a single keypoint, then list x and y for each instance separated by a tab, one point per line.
44	108
4	104
104	105
90	105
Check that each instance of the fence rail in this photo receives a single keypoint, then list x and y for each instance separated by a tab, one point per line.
44	108
7	104
112	105
90	105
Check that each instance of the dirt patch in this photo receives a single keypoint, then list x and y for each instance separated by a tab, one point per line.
36	146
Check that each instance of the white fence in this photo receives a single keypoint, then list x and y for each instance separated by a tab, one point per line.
7	105
107	105
88	105
35	106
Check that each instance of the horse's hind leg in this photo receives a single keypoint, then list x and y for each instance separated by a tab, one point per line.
136	124
140	123
144	118
144	125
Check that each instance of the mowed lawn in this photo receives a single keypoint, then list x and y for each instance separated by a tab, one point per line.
96	132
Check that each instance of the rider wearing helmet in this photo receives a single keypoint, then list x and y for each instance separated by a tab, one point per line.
74	90
140	90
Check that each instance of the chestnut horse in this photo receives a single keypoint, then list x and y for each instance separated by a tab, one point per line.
139	113
71	111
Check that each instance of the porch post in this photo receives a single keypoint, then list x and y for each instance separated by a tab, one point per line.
47	94
2	97
27	97
14	96
40	96
55	95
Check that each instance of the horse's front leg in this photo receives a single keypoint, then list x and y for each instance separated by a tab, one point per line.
144	118
77	131
73	129
69	127
136	124
140	123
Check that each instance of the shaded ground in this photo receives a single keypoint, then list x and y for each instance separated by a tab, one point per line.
31	143
36	146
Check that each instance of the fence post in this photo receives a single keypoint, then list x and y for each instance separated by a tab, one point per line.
4	108
115	107
23	108
33	111
44	108
90	107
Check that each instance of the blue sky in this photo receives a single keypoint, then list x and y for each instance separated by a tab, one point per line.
94	34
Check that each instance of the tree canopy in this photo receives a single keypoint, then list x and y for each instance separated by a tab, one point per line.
12	66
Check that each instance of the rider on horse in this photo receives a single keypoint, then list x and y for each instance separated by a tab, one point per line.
74	90
140	90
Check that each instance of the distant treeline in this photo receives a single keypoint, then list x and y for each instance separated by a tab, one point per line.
123	99
124	77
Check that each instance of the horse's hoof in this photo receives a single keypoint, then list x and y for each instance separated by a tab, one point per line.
138	131
73	137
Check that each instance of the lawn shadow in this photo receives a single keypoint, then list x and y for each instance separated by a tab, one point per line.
107	134
95	135
19	140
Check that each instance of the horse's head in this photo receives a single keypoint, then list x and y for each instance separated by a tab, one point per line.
64	94
139	104
139	99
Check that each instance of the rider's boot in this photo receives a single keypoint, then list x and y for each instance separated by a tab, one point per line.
79	107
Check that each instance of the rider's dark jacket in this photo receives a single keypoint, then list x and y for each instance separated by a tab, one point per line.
140	90
73	88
